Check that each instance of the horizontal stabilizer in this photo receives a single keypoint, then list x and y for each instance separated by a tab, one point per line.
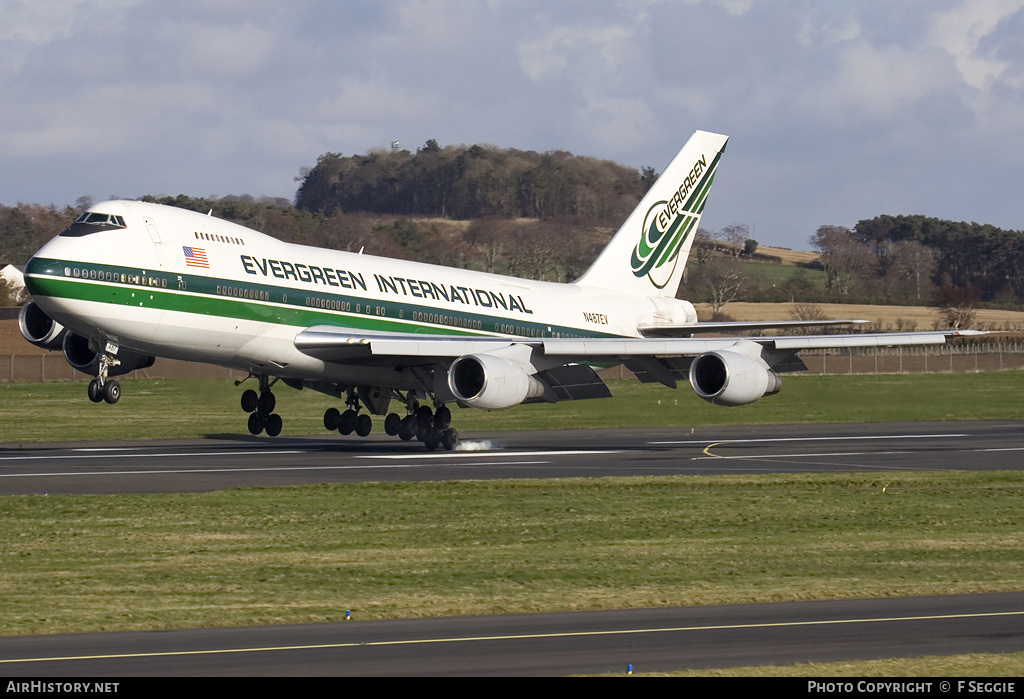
662	330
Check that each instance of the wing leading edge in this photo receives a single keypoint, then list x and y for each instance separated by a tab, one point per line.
337	344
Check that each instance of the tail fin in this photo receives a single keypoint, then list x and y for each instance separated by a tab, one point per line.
647	255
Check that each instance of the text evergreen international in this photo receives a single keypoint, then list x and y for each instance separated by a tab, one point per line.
417	288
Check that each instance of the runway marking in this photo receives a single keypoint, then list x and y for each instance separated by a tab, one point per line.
159	471
759	457
477	454
512	637
811	439
183	454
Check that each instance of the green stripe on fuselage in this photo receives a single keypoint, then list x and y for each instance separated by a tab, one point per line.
197	294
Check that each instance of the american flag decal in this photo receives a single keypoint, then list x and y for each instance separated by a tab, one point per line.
195	257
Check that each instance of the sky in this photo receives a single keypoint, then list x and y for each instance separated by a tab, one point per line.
836	111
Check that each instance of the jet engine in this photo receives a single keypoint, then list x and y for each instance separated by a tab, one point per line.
40	329
730	378
488	382
82	356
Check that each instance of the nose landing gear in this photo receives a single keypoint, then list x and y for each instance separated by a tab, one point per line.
101	388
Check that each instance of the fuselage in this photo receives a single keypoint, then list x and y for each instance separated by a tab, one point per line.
174	283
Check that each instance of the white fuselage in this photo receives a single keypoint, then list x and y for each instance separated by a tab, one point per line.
174	283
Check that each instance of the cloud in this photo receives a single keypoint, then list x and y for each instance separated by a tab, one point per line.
960	32
237	95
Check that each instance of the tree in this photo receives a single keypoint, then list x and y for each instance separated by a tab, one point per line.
957	304
846	260
721	278
736	235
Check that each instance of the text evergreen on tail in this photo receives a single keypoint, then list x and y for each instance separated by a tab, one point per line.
647	255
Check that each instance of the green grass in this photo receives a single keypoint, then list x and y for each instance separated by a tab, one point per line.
40	412
971	666
388	550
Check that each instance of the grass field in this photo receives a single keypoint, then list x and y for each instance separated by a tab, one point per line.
386	550
1009	665
152	409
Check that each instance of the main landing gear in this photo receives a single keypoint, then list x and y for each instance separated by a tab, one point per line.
420	422
349	421
432	427
260	407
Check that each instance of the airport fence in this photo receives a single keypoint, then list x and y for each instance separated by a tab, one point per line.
975	356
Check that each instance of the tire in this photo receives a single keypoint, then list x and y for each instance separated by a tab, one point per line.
112	391
331	418
391	424
347	422
95	391
443	418
273	425
432	439
266	403
449	439
255	423
407	430
363	425
424	416
250	400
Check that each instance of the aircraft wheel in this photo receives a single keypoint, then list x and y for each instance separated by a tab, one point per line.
443	418
274	424
391	424
407	429
250	400
363	425
112	391
95	391
266	403
449	439
432	439
424	416
347	422
331	418
255	423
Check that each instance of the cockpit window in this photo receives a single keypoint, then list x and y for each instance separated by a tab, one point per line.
93	222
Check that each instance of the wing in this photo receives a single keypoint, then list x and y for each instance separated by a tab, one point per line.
730	370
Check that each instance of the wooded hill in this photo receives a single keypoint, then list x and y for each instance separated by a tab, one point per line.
470	182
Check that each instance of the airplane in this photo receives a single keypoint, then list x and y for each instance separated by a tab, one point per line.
129	281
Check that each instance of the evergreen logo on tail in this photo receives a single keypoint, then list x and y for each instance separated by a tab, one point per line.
670	223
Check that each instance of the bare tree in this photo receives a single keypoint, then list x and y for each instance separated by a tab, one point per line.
847	261
737	236
723	279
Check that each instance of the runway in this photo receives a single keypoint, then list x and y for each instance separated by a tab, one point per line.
234	461
651	640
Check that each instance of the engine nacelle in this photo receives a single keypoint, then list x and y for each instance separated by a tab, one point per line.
40	329
82	356
488	382
730	378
